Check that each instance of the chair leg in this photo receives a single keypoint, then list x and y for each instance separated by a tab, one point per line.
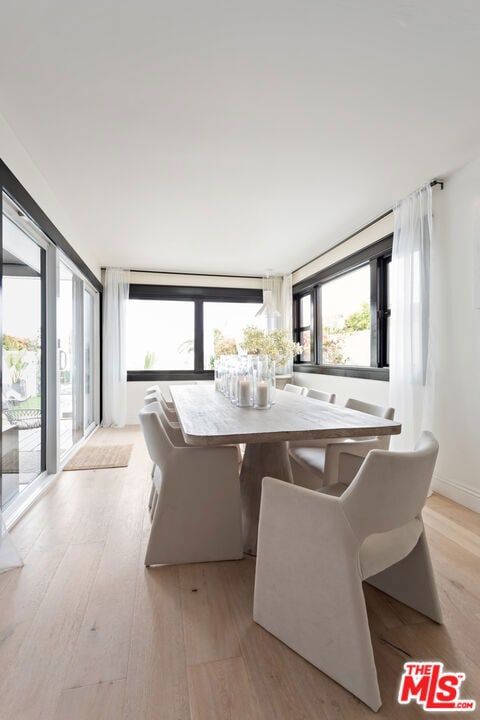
411	581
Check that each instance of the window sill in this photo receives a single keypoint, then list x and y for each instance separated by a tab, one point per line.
148	375
366	373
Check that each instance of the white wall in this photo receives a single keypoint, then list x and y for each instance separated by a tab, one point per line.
21	164
457	336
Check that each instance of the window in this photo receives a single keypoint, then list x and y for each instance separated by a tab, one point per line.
305	334
160	335
228	318
342	316
170	330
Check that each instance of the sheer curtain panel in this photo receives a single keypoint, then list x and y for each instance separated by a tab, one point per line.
410	349
114	347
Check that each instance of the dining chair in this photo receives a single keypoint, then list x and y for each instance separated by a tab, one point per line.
297	389
156	396
319	395
172	418
175	434
196	506
318	463
168	401
308	583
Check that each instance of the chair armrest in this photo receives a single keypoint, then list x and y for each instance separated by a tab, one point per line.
338	471
295	522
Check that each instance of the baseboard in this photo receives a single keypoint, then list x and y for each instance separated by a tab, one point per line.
469	497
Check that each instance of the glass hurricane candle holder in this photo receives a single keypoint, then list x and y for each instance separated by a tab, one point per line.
262	383
231	377
244	382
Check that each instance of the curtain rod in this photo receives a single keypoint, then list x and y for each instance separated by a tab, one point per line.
437	182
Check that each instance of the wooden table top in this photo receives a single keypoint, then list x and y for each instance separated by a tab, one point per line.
209	418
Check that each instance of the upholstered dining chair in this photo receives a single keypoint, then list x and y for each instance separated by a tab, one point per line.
297	389
197	512
308	585
319	395
318	463
175	434
168	401
156	396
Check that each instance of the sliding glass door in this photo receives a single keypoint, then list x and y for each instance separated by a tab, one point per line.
23	366
77	308
50	358
90	379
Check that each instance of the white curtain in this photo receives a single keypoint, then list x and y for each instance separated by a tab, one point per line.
115	299
282	299
9	557
410	329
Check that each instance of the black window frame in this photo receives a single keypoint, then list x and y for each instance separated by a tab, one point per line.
197	295
377	256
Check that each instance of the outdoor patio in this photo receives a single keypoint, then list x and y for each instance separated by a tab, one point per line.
29	459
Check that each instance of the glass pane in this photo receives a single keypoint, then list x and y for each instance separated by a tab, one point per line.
69	432
306	343
388	316
229	319
89	350
22	409
346	319
160	335
305	310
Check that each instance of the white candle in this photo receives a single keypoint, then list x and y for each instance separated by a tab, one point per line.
244	392
262	394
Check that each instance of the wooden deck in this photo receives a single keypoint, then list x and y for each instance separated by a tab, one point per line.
29	447
87	632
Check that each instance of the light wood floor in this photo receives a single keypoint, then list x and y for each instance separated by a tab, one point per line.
87	633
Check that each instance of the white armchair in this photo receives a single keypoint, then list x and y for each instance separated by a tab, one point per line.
156	396
196	511
319	395
314	551
296	389
319	463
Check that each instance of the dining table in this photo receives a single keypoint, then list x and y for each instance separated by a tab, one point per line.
208	418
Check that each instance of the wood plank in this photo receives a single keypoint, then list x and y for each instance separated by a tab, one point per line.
102	701
156	684
452	510
385	612
208	418
32	684
22	598
453	530
102	650
222	690
210	633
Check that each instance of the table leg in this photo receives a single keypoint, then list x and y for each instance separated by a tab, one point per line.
260	460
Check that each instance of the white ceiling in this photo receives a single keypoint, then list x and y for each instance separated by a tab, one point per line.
231	137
